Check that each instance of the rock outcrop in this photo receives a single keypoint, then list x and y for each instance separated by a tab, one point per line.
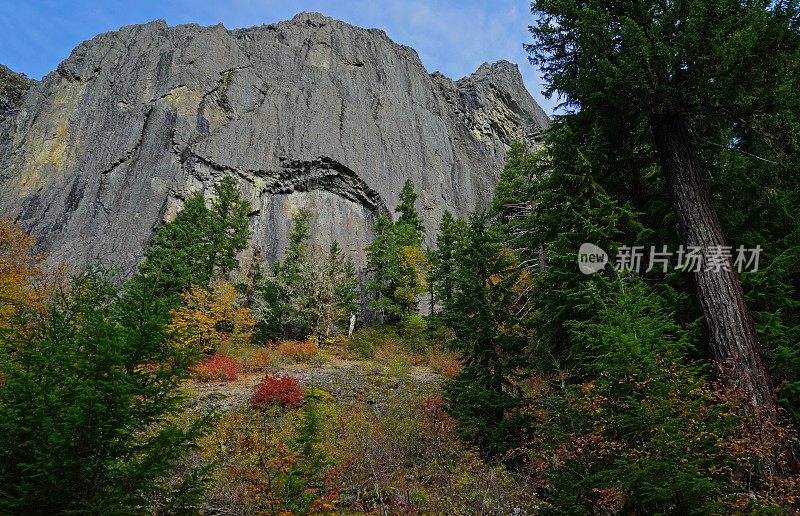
308	112
13	87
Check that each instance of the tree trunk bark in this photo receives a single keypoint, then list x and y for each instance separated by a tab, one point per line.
738	355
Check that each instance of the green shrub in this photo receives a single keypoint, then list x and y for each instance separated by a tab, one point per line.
414	332
366	341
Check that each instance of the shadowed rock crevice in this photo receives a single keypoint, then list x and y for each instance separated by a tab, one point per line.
299	176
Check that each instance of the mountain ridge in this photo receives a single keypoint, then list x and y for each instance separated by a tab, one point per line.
309	112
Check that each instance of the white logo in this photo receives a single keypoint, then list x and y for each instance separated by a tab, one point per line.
591	258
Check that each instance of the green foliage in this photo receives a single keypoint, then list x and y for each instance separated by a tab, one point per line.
179	255
407	208
306	295
199	243
414	333
490	338
731	69
342	298
304	479
366	341
445	258
85	407
639	431
636	425
396	263
229	217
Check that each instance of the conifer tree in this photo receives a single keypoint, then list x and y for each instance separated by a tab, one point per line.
85	408
199	243
306	294
667	86
181	253
444	259
341	290
396	262
229	217
407	211
490	338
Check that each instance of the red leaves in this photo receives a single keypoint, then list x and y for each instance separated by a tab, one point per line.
218	367
277	390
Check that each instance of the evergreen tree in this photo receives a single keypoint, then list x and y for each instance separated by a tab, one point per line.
666	86
640	430
298	250
396	262
229	217
341	296
444	260
304	481
285	301
490	338
180	255
86	404
199	243
408	214
305	295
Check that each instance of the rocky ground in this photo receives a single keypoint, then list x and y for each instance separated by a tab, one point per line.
349	382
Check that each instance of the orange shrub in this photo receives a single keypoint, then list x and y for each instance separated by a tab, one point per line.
435	414
210	319
25	283
298	350
219	367
446	364
254	358
281	390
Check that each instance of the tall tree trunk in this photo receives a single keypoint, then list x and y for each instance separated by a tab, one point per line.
738	355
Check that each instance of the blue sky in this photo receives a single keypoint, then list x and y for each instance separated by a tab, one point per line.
452	36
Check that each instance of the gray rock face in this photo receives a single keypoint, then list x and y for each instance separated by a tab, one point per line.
310	112
13	87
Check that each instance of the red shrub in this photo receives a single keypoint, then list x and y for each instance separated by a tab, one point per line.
218	367
435	414
277	390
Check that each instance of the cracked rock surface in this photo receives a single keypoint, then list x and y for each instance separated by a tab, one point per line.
310	112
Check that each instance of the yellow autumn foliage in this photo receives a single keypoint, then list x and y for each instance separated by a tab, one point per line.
413	282
210	319
25	285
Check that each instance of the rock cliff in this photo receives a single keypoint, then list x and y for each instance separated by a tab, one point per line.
308	112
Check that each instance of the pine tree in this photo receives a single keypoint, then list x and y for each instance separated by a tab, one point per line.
230	215
407	210
199	243
341	299
181	253
672	433
304	482
285	300
396	262
444	260
307	295
665	84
